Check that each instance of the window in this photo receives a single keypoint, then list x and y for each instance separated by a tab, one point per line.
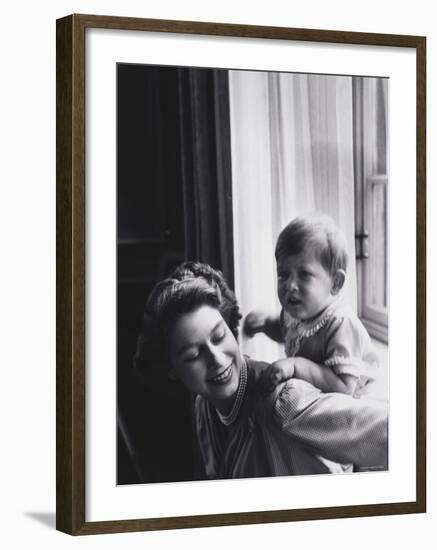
371	202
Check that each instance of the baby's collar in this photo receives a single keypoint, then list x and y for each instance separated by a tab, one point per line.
312	326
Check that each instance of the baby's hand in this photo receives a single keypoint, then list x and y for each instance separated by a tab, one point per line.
277	372
254	322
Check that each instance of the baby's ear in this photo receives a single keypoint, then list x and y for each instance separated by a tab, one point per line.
338	281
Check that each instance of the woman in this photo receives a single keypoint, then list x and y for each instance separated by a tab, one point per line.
191	324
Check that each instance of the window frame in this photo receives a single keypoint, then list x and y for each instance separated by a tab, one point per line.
374	318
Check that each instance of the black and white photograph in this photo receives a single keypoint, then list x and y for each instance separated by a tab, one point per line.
217	322
252	274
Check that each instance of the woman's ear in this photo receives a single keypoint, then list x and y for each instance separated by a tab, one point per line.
338	281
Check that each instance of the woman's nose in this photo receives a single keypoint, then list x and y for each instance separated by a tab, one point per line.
216	357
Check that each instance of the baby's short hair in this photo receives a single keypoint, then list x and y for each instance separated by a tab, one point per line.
319	232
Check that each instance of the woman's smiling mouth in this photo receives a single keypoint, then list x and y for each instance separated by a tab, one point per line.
223	377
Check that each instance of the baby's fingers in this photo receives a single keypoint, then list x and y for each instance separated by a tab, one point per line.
276	377
253	323
269	380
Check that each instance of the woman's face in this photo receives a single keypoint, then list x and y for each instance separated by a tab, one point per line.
205	356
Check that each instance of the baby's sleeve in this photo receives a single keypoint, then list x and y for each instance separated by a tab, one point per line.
349	349
333	425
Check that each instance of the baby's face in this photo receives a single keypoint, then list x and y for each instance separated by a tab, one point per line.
305	288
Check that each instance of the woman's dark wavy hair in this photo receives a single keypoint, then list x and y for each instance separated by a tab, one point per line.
190	286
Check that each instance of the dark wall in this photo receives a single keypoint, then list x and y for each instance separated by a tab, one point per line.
150	242
174	203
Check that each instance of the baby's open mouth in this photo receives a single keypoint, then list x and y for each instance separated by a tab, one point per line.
223	376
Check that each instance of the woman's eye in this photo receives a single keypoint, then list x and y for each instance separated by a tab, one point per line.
190	356
218	337
282	275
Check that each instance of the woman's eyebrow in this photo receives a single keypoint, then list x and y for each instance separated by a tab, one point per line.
193	344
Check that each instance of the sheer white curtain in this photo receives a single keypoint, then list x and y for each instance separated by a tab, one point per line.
292	153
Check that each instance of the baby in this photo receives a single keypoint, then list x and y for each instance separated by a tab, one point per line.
315	322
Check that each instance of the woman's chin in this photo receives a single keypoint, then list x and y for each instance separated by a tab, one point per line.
224	391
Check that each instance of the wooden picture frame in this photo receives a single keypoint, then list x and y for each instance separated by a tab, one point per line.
71	272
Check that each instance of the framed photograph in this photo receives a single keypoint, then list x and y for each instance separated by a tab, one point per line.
240	274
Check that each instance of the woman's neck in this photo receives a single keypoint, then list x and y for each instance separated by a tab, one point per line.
228	411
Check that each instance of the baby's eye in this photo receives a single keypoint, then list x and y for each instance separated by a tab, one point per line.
282	275
305	274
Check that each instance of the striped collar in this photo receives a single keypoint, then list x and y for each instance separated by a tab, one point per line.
305	329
